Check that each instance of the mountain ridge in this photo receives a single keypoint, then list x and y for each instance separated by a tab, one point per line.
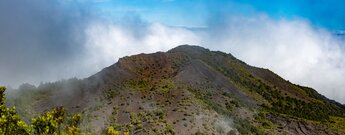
187	90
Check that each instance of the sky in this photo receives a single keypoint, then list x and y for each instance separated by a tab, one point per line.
302	41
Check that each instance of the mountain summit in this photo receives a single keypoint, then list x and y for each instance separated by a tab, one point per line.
186	90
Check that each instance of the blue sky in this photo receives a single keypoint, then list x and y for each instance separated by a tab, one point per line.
324	13
329	14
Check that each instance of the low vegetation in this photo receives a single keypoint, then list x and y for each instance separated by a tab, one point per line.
51	122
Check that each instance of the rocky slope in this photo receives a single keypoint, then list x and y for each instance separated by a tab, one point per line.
187	90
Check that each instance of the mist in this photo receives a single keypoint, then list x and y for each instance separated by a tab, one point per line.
293	49
44	41
41	40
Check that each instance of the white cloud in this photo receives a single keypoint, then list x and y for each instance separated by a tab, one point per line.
106	42
291	48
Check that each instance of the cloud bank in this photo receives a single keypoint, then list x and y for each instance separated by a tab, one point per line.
291	48
106	42
39	40
47	41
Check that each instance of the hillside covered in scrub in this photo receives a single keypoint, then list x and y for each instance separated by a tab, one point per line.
186	90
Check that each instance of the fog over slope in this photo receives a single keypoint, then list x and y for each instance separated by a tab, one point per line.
51	40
